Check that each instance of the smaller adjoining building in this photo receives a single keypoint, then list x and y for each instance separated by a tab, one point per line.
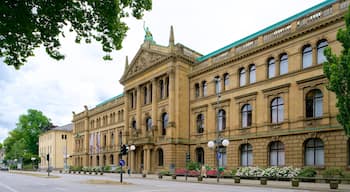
57	144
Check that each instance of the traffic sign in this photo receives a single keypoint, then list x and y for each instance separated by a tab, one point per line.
121	162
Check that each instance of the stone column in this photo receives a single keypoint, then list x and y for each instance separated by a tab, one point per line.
154	103
125	114
172	98
148	160
314	55
138	107
277	63
132	160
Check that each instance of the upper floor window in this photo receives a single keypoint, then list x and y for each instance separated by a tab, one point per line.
161	89
226	80
204	88
221	123
200	123
314	102
271	67
150	92
148	123
314	152
307	56
145	95
321	58
283	64
276	153
277	110
167	87
133	124
164	123
242	77
217	85
252	74
196	89
246	113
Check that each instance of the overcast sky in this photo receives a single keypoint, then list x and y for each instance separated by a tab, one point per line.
59	87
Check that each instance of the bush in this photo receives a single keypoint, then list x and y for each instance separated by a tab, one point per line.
106	168
164	172
333	172
307	172
276	172
193	166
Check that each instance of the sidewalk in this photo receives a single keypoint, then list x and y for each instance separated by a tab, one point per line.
248	182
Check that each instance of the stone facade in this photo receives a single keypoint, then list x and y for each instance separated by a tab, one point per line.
266	94
58	143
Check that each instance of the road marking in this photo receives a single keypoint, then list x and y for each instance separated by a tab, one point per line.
8	187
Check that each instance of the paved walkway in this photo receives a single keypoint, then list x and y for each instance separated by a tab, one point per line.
227	181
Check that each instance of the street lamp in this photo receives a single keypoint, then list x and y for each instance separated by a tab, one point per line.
33	159
219	141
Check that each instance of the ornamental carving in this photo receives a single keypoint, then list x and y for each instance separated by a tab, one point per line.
143	61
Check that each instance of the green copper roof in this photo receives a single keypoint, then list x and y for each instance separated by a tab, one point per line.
267	29
110	99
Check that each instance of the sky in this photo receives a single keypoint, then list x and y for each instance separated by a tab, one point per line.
83	78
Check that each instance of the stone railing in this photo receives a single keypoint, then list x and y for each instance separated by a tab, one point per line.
314	17
277	33
247	45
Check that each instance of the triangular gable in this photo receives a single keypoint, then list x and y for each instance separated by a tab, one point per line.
142	61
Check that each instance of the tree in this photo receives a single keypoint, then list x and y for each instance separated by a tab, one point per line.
23	140
337	70
0	145
28	24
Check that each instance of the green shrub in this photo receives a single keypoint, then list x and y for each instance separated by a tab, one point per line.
164	172
307	172
332	172
233	171
193	166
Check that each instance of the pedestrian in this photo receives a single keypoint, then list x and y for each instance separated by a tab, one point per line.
129	171
204	171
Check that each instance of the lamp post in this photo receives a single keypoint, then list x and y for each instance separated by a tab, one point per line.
33	159
64	137
219	141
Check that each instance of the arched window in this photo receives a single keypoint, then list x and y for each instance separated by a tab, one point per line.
200	155
276	153
167	87
164	123
252	74
226	81
133	124
160	157
221	123
307	56
112	139
200	123
242	77
283	64
314	102
148	123
97	160
217	85
271	67
196	90
277	110
314	152
246	114
111	159
321	58
246	155
204	88
104	160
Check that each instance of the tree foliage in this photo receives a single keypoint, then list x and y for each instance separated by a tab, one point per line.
23	140
337	70
28	24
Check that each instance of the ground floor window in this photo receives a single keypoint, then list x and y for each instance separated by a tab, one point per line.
314	152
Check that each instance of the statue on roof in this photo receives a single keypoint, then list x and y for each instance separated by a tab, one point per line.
148	34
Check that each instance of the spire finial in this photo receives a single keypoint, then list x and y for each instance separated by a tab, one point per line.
171	38
126	63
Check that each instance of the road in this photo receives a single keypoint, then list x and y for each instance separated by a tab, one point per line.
14	182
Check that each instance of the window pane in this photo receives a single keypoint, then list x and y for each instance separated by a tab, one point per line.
309	108
271	72
309	157
307	57
318	107
284	65
244	119
242	77
281	158
204	88
321	58
252	75
250	158
274	115
319	156
244	158
273	158
280	113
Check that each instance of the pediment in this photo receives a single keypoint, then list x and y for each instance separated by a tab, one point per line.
143	60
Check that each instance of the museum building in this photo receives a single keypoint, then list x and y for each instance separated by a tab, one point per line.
260	101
